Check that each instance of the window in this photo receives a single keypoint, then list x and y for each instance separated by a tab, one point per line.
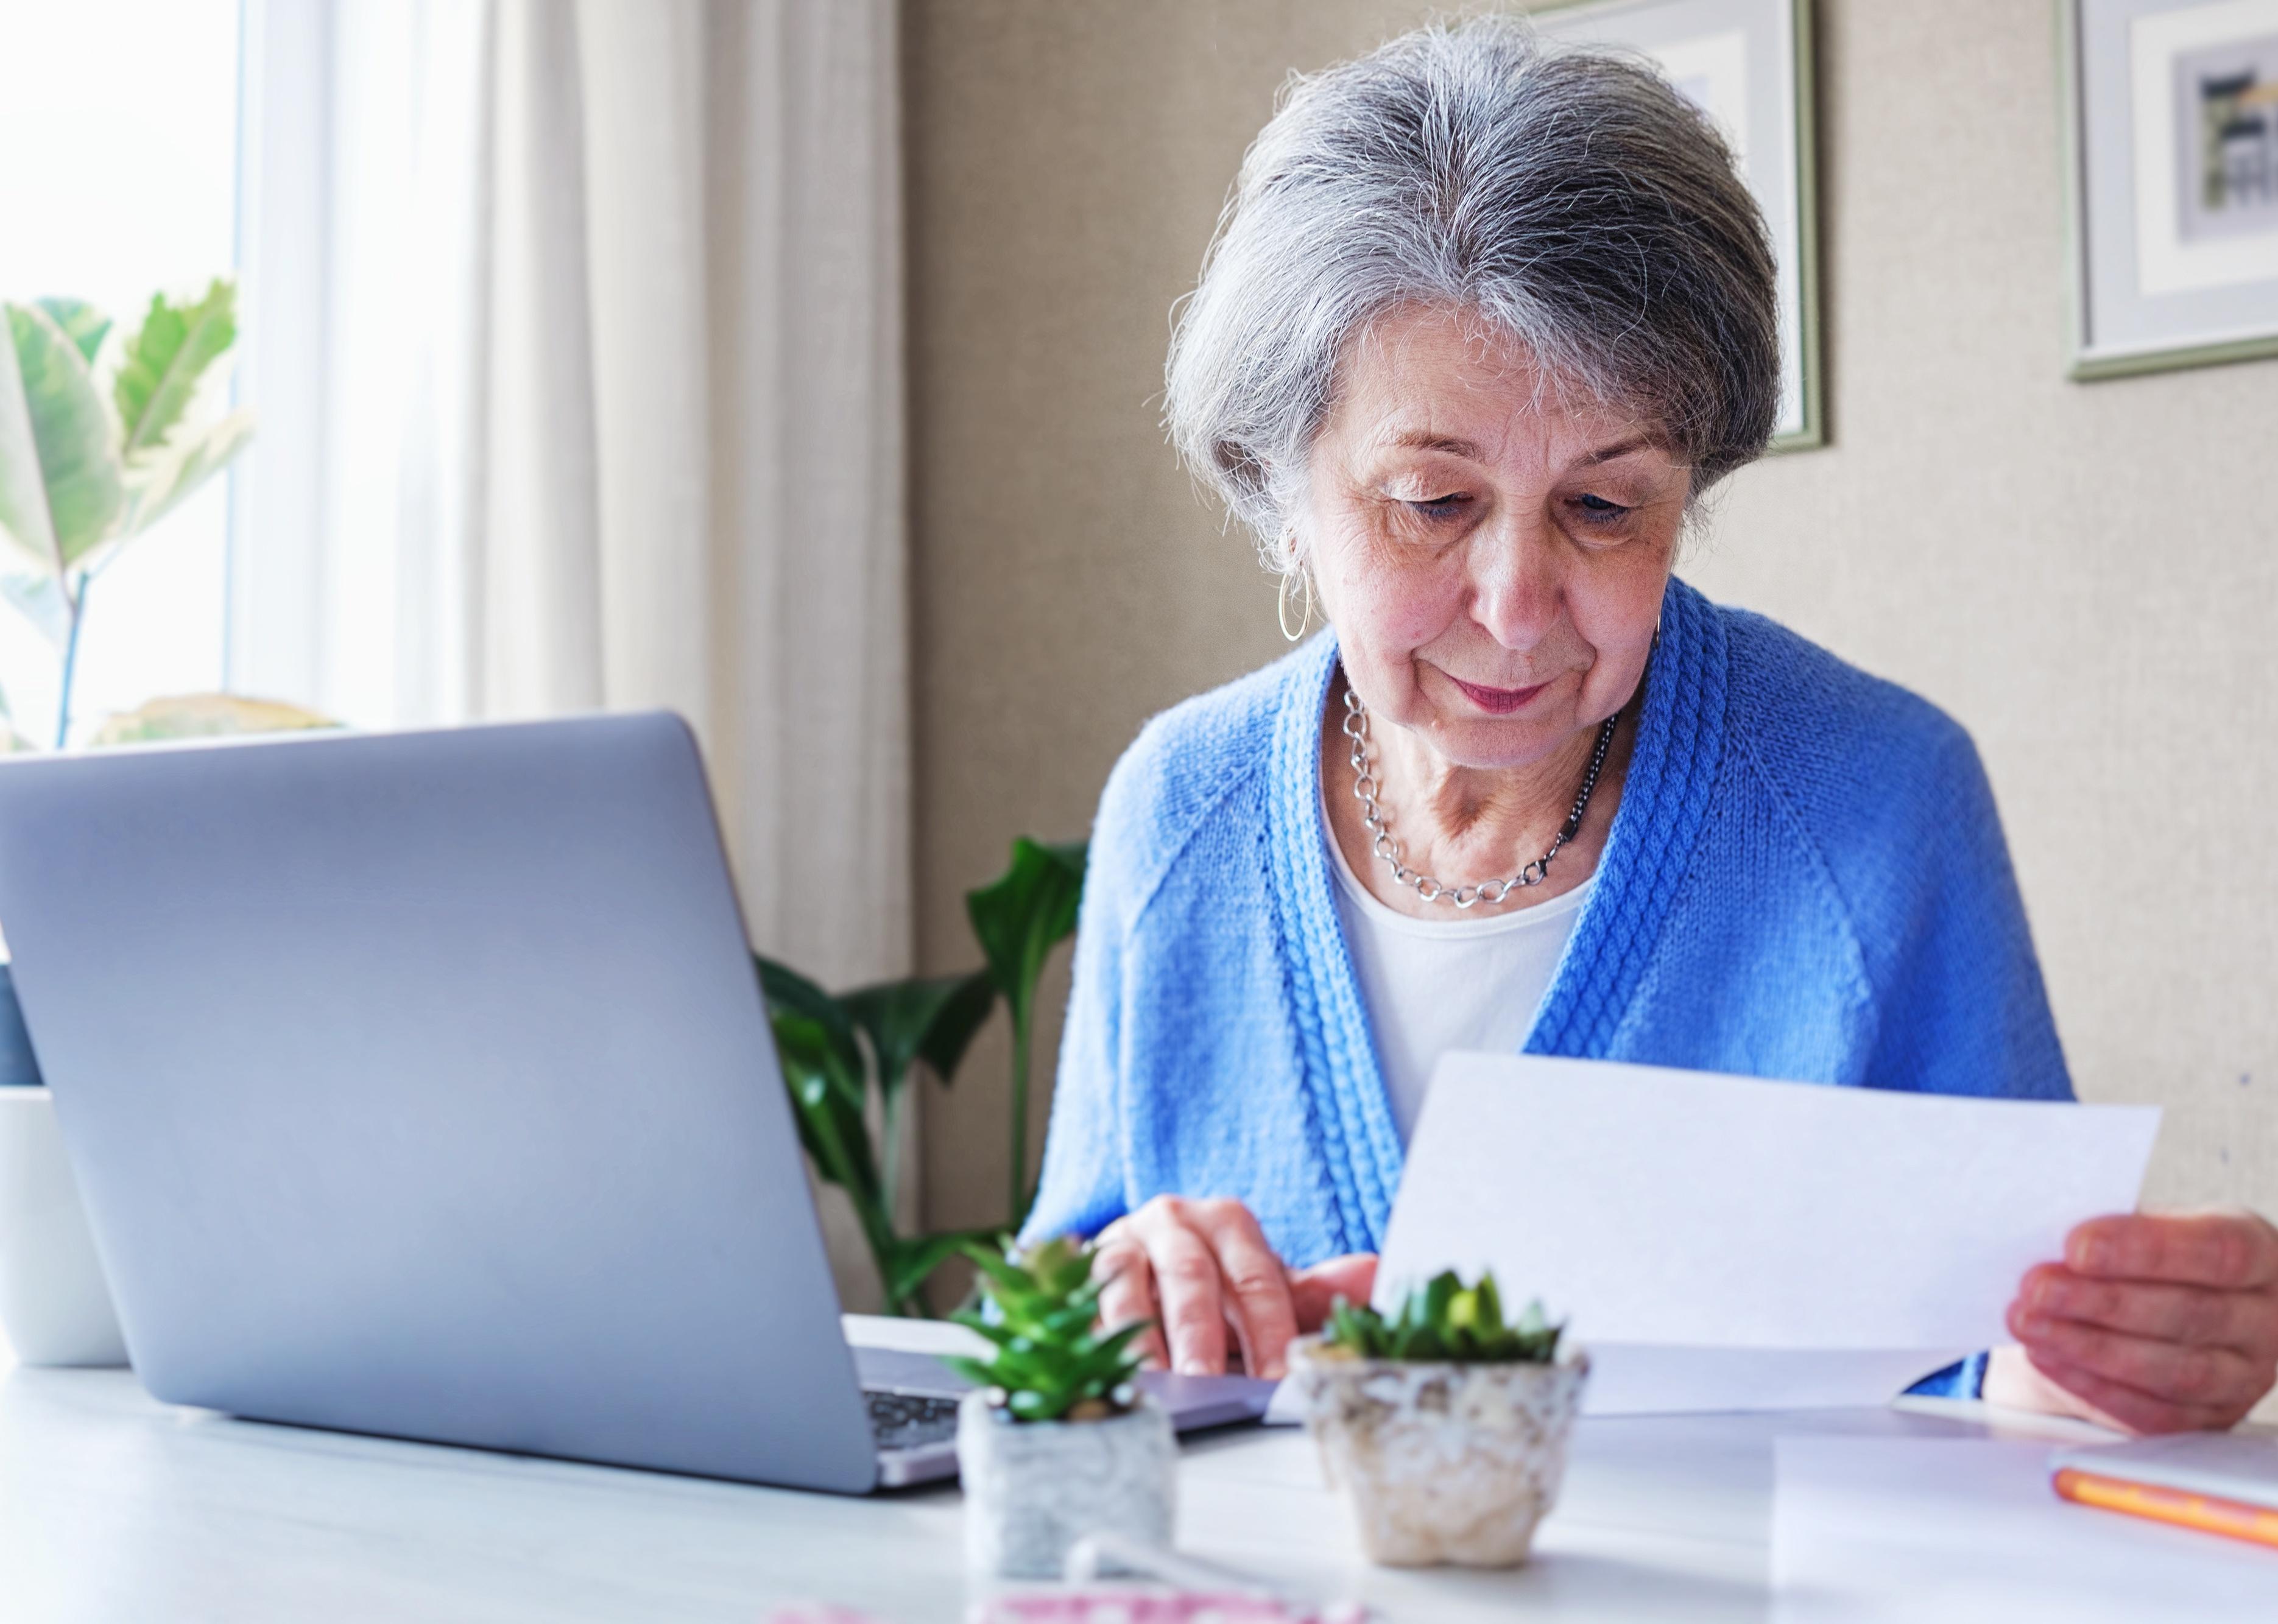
118	178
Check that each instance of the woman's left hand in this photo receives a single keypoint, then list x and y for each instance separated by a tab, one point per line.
2156	1322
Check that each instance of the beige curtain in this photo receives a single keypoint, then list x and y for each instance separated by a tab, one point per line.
575	329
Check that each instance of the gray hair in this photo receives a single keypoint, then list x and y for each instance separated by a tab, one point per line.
1572	200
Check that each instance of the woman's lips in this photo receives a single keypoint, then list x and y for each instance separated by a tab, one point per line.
1497	701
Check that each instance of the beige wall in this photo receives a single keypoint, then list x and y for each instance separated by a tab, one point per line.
2085	574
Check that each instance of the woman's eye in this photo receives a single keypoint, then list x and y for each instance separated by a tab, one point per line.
1598	510
1440	507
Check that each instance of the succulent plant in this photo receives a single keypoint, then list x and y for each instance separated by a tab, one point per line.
1052	1361
1446	1322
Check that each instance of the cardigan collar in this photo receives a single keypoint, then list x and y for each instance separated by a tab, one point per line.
1680	741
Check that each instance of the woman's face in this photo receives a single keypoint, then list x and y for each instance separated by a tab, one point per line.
1491	556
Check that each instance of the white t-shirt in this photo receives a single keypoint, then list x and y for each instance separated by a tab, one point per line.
1470	981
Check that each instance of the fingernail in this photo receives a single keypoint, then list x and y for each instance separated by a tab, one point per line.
2034	1328
1274	1372
2047	1294
2095	1256
1192	1366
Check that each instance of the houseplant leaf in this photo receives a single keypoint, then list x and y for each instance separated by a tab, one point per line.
60	484
164	360
1019	918
914	1261
790	993
831	1123
925	1018
164	478
82	323
930	1018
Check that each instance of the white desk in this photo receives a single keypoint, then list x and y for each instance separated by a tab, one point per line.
117	1510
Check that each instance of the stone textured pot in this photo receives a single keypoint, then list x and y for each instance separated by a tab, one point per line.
1441	1462
1033	1488
55	1306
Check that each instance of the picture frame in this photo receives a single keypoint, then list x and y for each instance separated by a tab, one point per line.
1750	64
2170	111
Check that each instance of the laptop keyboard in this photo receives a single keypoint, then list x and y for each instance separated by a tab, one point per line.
909	1421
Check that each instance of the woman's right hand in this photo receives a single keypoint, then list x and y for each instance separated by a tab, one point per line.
1201	1267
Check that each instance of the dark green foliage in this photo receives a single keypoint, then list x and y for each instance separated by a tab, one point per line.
1051	1356
843	1051
1018	920
1447	1321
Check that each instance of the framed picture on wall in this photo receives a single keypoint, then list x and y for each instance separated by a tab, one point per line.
2171	119
1748	64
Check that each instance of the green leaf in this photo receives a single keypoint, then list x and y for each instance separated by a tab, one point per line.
1022	914
829	1111
1049	1354
972	1369
992	1262
988	1329
82	323
912	1263
790	993
1018	920
932	1018
165	360
60	484
161	480
1446	1321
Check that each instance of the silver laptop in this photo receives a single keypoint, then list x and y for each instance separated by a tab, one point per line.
421	1085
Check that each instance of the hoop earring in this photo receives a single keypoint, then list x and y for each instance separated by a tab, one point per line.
1281	603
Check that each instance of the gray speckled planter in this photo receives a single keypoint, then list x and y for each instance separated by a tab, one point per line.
1033	1489
1441	1462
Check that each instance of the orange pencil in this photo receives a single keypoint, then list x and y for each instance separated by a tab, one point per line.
2179	1506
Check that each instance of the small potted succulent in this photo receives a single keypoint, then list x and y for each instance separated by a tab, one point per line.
1056	1442
1443	1426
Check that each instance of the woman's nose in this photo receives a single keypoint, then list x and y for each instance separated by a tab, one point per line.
1515	583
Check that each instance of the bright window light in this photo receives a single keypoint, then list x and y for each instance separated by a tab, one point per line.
118	179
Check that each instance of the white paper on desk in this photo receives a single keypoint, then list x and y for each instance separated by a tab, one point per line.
1665	1209
1968	1531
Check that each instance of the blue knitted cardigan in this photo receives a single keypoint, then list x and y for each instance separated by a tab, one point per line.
1806	878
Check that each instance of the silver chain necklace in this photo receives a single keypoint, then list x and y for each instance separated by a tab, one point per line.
1387	845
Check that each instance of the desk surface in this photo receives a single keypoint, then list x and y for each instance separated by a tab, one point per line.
116	1509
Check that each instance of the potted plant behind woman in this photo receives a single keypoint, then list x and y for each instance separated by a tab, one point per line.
1056	1443
1445	1428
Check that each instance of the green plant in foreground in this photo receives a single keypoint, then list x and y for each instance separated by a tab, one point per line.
83	469
1051	1361
848	1057
1446	1321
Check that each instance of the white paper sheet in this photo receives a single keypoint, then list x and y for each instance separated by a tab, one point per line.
1675	1209
1968	1531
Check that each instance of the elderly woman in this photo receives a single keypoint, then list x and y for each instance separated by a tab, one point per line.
1481	327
